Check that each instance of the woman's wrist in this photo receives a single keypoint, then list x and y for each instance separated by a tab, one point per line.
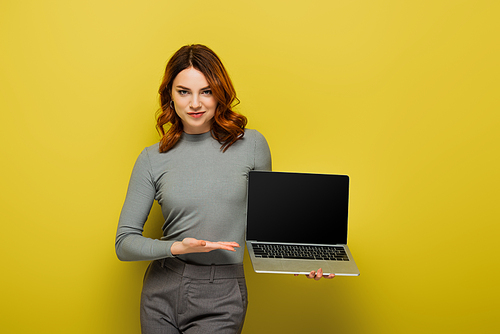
176	248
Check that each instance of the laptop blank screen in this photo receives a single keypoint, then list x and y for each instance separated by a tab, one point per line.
297	207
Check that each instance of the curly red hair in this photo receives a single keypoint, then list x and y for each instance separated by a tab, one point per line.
227	126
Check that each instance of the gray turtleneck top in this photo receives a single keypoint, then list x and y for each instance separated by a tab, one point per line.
202	193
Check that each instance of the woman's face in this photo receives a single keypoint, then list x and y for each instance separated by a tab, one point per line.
193	101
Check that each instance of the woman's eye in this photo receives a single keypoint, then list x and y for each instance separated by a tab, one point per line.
182	92
207	92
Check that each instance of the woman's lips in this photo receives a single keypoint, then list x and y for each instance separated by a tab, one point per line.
196	114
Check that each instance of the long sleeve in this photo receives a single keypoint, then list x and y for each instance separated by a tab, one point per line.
130	244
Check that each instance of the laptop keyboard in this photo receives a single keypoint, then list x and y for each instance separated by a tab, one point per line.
279	251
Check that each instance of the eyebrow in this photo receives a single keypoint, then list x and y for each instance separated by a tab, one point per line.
182	87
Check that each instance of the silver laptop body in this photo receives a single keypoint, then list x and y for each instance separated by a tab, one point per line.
297	223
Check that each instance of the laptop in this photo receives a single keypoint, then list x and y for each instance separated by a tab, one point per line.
297	223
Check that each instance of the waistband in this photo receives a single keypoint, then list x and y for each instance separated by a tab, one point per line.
208	272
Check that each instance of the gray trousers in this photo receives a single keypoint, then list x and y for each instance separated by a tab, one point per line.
182	298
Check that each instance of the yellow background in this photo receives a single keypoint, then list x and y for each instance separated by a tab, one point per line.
403	96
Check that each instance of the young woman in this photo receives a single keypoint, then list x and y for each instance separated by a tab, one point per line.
198	174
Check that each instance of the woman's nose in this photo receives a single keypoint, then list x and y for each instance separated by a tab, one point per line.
195	103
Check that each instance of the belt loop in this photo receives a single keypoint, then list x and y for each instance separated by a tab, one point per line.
162	262
212	273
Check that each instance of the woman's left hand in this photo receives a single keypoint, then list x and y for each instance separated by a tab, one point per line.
316	275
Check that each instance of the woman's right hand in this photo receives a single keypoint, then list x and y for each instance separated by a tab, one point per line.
192	245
